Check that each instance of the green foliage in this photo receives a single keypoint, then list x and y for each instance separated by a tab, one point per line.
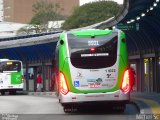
92	13
44	12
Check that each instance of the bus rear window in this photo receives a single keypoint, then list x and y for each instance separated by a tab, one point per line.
10	66
93	52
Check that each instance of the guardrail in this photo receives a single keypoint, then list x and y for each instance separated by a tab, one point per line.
28	36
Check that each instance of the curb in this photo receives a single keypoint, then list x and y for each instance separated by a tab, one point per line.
136	104
42	93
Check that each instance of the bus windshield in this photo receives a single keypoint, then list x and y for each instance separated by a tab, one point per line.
10	66
93	52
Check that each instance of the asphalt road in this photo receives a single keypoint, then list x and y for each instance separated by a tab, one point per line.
30	107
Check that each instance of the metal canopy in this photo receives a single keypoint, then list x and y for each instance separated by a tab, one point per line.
41	47
34	53
147	39
32	49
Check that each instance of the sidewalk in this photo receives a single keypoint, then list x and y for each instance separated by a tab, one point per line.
41	93
148	103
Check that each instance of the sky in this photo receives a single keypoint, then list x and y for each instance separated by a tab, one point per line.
86	1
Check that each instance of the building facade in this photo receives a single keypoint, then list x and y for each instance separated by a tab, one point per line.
20	11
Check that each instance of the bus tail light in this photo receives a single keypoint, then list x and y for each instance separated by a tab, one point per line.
92	49
22	78
62	84
126	82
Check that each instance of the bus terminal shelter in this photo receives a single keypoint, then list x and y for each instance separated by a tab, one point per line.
139	20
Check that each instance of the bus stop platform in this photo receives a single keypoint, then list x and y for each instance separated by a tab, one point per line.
148	103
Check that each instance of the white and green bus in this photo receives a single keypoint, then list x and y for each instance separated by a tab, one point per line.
11	76
92	66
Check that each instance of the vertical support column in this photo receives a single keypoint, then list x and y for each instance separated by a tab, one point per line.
158	75
154	74
43	76
34	77
49	77
155	63
149	85
142	74
136	80
27	77
138	76
53	75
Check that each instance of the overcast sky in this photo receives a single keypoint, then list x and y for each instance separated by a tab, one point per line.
86	1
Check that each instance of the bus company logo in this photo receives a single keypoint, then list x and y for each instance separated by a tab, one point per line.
76	84
108	75
99	80
79	75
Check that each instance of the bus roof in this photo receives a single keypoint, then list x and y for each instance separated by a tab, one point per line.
92	32
1	60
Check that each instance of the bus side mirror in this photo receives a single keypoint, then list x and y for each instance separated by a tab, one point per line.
61	42
123	40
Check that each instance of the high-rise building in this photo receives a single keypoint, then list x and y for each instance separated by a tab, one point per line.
20	11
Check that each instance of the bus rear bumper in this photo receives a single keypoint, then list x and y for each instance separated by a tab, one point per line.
72	98
11	87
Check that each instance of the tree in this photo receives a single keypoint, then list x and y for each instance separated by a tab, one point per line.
26	30
92	13
43	12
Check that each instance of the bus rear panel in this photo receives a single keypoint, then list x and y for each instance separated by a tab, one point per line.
92	67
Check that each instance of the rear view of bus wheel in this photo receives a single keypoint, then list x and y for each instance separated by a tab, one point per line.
12	92
2	93
67	109
120	108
